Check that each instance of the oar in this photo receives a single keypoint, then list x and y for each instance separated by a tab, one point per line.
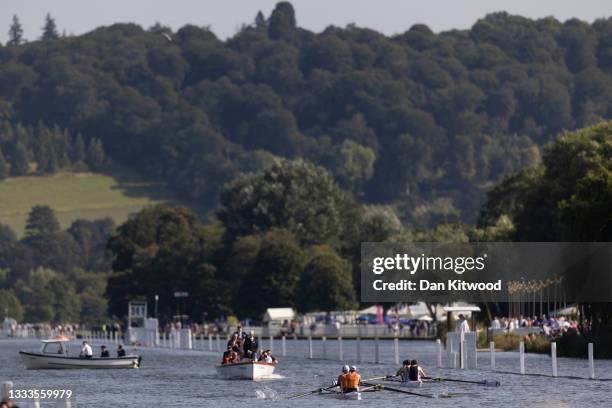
304	394
486	383
384	387
384	377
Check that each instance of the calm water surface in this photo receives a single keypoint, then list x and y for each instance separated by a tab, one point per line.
172	378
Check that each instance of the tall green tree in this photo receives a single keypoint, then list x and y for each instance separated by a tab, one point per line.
326	283
10	306
273	279
41	221
294	195
50	29
4	167
15	32
162	250
19	160
96	157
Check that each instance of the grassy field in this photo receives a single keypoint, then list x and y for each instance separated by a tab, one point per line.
78	195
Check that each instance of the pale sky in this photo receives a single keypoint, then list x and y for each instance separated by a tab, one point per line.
226	16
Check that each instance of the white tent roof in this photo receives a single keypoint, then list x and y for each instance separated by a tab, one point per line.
278	313
368	310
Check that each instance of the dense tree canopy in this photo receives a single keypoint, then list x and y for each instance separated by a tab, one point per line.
424	121
294	195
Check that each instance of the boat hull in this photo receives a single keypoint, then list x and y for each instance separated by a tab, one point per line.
35	361
353	395
246	370
412	384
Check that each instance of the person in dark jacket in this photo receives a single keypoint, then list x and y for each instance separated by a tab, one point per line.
250	346
120	351
104	351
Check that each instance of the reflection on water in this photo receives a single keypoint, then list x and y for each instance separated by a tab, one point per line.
188	379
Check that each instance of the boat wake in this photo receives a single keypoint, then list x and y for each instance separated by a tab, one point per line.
271	377
267	394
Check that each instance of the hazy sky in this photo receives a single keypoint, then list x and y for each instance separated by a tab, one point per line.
226	16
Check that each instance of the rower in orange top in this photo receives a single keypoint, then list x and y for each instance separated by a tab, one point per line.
352	380
341	378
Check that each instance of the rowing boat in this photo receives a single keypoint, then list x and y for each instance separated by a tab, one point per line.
351	395
411	384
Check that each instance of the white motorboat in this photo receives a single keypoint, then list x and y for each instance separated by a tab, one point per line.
54	354
246	370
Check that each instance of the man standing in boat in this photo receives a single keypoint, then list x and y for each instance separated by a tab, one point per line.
250	347
86	351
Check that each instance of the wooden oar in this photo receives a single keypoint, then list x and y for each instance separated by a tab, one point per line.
304	394
384	387
486	383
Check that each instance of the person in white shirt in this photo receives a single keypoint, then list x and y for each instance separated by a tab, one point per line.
86	351
495	325
462	325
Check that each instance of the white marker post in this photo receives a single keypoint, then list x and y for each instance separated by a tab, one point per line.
492	353
284	346
324	340
310	347
522	356
591	362
340	349
210	347
553	355
396	350
7	387
439	352
218	343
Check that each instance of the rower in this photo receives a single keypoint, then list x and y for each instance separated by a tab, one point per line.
352	380
403	371
341	378
415	372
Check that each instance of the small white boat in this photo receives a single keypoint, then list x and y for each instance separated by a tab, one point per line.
246	370
54	354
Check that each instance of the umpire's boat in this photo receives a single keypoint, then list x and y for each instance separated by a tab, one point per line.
246	370
54	354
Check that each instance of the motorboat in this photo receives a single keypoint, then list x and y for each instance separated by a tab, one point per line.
246	370
54	353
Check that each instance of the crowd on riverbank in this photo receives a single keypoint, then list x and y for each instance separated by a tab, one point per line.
549	326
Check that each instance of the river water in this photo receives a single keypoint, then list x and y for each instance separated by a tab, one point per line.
175	378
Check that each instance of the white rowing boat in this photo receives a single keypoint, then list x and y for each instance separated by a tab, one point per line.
246	370
54	354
